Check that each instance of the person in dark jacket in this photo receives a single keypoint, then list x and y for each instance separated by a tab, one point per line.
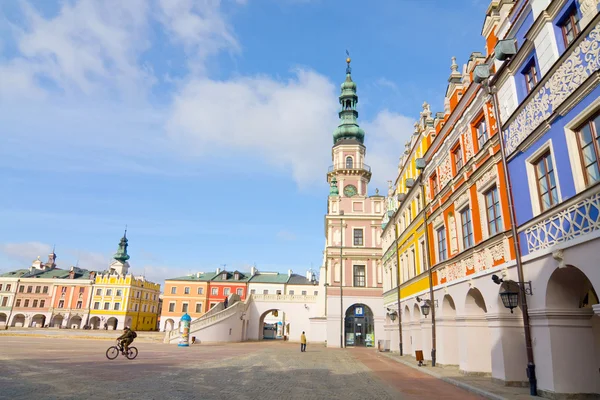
126	339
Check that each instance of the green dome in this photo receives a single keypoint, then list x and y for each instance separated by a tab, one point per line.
348	84
352	131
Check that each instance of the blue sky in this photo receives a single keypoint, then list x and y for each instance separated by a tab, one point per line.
205	126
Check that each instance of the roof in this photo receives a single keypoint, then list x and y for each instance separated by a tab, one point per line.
14	274
49	274
296	279
269	277
230	275
204	277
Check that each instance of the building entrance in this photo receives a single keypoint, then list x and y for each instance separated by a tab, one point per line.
359	327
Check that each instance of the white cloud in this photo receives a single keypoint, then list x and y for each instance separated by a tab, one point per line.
386	136
288	123
25	252
89	47
83	66
199	26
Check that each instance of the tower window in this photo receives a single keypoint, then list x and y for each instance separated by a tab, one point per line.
349	162
348	105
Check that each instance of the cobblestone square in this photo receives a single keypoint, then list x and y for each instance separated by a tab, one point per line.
51	368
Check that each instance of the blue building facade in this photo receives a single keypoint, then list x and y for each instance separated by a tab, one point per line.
549	104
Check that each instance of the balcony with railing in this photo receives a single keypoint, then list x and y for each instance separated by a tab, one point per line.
353	167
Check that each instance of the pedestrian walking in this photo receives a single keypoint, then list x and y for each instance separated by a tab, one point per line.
226	302
303	342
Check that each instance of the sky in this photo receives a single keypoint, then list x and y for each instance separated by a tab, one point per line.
203	126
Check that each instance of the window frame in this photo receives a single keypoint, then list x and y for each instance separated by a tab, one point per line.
433	180
531	75
172	306
479	135
572	16
546	158
457	156
200	291
184	307
226	291
497	210
595	138
355	237
199	304
351	164
358	277
186	290
214	291
441	243
239	291
173	289
469	225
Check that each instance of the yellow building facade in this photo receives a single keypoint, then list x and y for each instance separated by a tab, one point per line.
403	239
121	299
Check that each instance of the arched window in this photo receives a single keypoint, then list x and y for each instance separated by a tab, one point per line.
348	105
349	162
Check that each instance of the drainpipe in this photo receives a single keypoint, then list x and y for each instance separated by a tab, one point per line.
428	263
398	286
492	91
341	280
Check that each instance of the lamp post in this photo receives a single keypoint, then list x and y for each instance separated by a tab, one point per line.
341	279
398	286
420	164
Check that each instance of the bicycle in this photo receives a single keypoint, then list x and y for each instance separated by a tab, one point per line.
113	351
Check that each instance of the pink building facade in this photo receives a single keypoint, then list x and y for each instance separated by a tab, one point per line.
352	257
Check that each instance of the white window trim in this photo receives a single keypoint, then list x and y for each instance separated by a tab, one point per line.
534	193
422	255
346	158
573	147
363	237
201	307
361	264
185	303
481	191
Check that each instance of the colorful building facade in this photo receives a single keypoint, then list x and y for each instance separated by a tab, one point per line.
121	299
531	102
47	296
352	270
547	88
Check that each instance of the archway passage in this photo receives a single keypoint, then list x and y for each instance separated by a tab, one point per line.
18	320
169	325
57	321
95	322
75	322
3	319
112	323
359	327
273	325
574	299
38	321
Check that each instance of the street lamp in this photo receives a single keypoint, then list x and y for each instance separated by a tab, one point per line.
510	297
426	305
392	314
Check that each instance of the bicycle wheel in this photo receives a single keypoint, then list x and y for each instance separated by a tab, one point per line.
132	353
112	352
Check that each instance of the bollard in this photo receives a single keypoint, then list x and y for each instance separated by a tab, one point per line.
185	331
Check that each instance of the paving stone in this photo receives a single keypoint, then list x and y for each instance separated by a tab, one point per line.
53	368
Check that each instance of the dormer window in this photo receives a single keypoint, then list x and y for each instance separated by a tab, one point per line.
349	162
236	276
225	275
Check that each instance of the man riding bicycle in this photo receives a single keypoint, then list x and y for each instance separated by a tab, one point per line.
126	339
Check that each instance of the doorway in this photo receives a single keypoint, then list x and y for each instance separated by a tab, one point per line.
359	328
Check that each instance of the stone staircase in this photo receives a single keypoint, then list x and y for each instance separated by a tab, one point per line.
217	325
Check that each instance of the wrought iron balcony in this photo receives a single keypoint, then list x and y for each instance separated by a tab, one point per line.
363	167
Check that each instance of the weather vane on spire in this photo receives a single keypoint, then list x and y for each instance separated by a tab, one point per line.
348	60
